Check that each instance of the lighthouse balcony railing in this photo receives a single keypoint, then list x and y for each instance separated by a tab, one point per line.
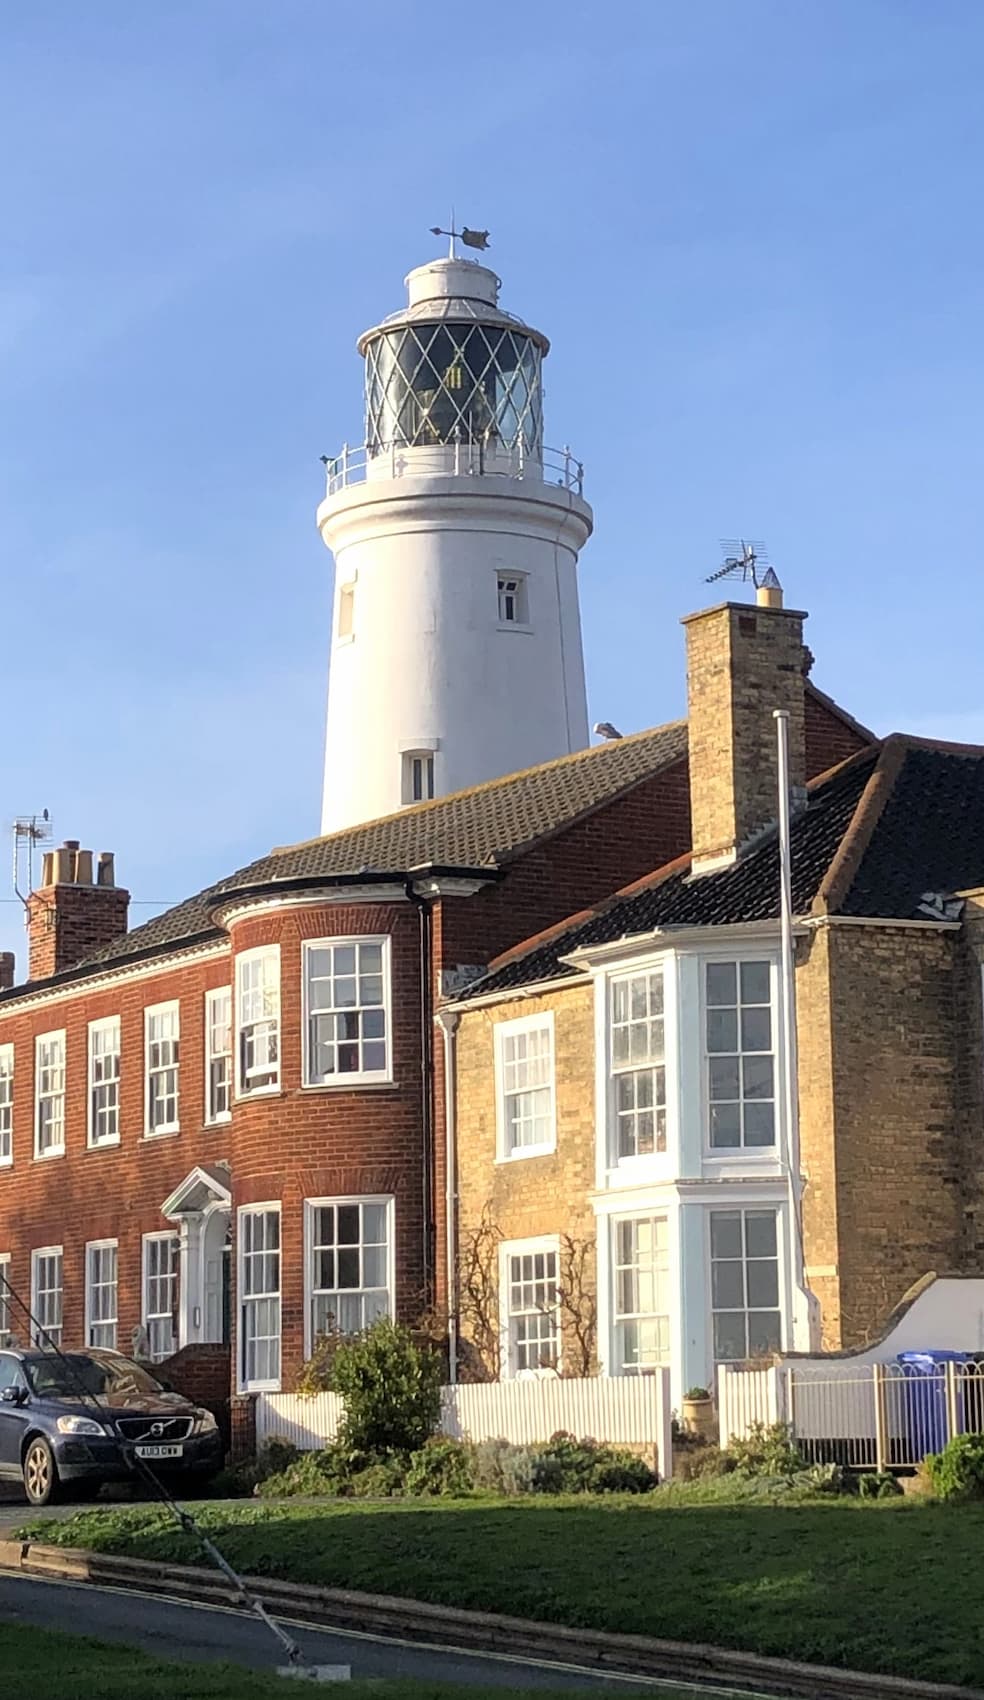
466	459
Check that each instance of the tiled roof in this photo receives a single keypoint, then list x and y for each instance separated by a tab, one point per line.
748	890
485	827
929	833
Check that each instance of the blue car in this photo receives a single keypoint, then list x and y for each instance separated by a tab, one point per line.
54	1439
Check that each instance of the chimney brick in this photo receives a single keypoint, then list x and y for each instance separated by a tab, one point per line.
6	970
743	662
70	917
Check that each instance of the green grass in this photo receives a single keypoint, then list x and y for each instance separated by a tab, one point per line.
40	1665
881	1586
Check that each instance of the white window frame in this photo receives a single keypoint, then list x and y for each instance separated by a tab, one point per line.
513	588
6	1106
417	777
742	1151
215	1118
743	1210
93	1266
5	1328
52	1328
387	1202
339	1082
504	1030
171	1008
42	1039
616	1071
243	1029
149	1317
509	1369
661	1270
245	1383
108	1024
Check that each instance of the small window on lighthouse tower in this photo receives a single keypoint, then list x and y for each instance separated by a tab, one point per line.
513	609
418	776
346	610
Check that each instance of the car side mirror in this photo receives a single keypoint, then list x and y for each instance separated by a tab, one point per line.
12	1396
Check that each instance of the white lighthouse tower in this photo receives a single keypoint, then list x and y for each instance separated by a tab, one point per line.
456	639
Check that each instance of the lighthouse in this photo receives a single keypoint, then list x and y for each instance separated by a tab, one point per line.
456	637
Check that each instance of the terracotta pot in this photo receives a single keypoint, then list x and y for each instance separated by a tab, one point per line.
699	1418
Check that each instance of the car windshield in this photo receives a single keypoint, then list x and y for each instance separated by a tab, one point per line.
75	1374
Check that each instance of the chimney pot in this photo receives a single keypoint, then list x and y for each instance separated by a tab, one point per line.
71	844
106	868
769	595
83	867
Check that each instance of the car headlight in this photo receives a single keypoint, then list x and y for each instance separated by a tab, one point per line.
80	1425
205	1423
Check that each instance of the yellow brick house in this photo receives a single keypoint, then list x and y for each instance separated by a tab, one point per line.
628	1190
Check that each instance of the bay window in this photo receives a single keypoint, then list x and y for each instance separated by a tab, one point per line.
259	1297
739	1055
349	1248
258	1017
745	1309
642	1305
346	1001
638	1063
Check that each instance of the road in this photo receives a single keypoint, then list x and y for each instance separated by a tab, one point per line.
173	1629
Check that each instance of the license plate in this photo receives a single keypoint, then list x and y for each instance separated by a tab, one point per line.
159	1451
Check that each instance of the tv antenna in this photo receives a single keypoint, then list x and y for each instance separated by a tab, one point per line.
28	831
744	560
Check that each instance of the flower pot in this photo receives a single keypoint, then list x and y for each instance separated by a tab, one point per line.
699	1418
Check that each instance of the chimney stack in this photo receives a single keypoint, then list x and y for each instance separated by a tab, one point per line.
743	662
71	915
6	970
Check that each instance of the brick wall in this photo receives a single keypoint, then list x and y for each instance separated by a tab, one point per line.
821	1238
202	1372
898	1149
528	1196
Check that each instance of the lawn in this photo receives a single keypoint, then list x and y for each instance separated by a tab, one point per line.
40	1665
880	1586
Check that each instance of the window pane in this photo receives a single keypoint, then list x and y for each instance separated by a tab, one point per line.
760	1126
725	1126
723	1078
729	1336
757	1077
725	1233
763	1284
722	1030
760	1233
764	1333
727	1286
756	1030
755	982
721	983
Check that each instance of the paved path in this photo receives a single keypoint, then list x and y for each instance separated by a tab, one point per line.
173	1629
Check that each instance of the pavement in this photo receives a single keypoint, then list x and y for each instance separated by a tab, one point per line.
173	1629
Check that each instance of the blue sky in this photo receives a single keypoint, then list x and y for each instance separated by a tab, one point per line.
751	229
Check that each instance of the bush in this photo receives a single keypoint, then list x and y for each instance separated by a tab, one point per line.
444	1467
240	1480
566	1465
391	1388
700	1463
310	1475
957	1473
380	1480
767	1452
499	1467
878	1484
825	1478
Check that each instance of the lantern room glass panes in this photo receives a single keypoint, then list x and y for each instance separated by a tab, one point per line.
450	383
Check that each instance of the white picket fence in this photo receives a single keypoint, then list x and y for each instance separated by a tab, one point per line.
867	1416
625	1410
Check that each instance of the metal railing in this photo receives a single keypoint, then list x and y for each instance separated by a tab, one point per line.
875	1416
461	458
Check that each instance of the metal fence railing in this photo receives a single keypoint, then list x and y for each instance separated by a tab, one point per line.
879	1416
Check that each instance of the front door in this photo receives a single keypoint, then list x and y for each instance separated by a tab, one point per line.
215	1270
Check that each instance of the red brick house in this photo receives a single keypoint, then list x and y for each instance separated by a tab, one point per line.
227	1124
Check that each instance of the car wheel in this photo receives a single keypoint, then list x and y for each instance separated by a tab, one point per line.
40	1472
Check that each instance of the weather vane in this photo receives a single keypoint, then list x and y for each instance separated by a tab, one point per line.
744	560
471	238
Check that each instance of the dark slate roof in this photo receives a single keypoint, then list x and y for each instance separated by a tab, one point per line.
481	829
928	837
748	890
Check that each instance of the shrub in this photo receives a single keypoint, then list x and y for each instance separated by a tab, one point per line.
878	1484
444	1467
239	1480
697	1393
566	1465
392	1391
767	1452
957	1473
310	1475
314	1375
499	1467
701	1462
380	1480
825	1478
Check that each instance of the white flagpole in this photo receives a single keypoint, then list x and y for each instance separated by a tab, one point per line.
790	1067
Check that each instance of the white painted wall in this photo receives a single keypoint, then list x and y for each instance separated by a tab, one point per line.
427	665
947	1316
